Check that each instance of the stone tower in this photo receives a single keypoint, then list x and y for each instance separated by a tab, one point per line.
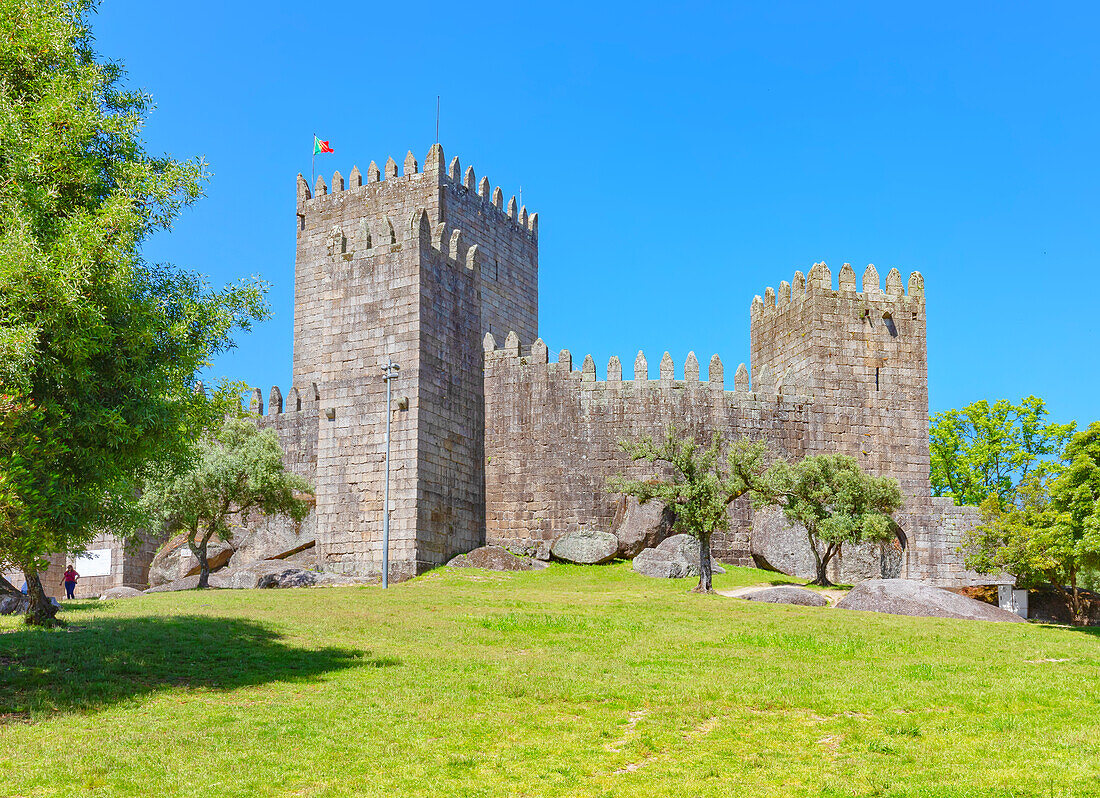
415	268
863	357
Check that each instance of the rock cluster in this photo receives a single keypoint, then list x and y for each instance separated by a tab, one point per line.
905	597
640	526
778	545
494	558
257	543
586	547
787	594
119	592
676	557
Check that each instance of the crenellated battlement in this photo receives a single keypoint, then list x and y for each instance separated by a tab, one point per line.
767	388
297	401
819	282
377	182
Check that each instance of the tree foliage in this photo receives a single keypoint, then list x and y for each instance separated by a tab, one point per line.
236	470
98	348
698	483
1051	529
990	449
835	501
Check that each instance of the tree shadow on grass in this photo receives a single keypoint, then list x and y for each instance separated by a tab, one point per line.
93	664
1091	631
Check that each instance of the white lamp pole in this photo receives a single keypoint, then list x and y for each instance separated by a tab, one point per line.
389	373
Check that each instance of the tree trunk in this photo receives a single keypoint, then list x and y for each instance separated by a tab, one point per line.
704	565
1078	615
822	563
40	612
199	550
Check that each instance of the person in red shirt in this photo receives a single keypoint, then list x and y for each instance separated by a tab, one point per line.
69	580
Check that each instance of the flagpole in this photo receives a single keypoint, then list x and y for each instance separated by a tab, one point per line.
313	164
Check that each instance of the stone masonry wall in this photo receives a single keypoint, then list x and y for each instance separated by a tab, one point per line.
295	421
950	525
552	433
129	568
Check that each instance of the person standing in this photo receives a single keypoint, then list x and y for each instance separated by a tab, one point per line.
69	579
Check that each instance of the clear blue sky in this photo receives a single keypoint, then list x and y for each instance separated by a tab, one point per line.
681	159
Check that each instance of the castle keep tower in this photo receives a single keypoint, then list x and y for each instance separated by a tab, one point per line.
863	357
415	268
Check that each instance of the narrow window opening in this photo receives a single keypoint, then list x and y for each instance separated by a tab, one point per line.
876	380
301	221
393	235
888	320
368	241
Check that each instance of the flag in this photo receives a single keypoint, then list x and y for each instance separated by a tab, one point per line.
320	146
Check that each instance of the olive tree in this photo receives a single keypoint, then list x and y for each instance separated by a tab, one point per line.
238	469
697	482
835	501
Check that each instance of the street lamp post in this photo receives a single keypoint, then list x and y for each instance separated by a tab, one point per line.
389	373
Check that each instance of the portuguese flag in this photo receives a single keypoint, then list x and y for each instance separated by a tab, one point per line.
320	146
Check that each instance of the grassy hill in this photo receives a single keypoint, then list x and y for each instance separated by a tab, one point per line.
569	682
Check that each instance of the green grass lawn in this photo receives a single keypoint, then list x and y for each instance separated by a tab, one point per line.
573	681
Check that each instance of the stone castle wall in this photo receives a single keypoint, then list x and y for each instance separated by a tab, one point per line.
552	437
295	419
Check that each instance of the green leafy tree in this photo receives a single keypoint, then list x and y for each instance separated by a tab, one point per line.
698	483
237	470
990	449
835	501
1051	530
99	347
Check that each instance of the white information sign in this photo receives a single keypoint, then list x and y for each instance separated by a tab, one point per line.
96	562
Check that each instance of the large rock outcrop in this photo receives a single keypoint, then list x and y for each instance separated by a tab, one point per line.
787	594
174	560
119	592
252	574
640	526
186	583
269	537
299	577
778	545
19	604
494	558
676	557
905	597
586	547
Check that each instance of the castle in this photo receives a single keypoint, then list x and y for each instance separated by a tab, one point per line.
494	443
491	442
